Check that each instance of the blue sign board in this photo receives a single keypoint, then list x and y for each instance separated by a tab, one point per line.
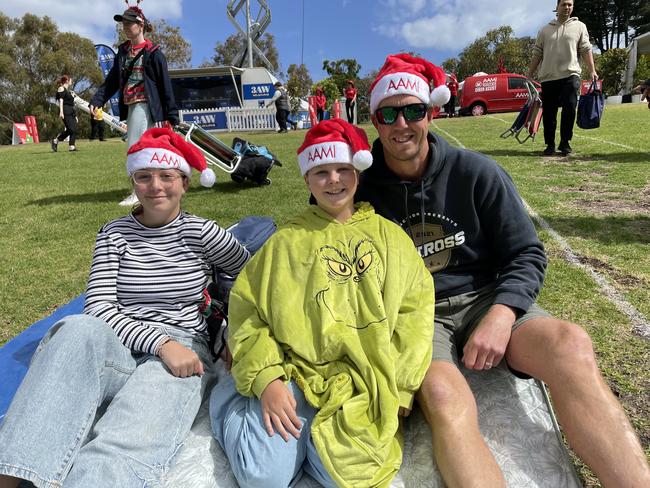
106	56
207	120
256	91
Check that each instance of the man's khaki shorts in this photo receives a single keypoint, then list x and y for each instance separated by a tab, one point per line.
457	316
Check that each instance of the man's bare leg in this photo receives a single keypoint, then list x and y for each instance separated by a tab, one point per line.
561	354
460	452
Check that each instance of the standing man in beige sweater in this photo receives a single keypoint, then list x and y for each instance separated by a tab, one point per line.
559	46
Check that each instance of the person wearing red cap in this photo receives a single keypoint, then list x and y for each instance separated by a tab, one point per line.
111	394
325	334
140	76
470	226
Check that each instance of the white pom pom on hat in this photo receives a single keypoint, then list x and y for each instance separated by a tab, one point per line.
334	141
403	74
160	148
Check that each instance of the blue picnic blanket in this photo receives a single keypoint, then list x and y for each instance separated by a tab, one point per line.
16	354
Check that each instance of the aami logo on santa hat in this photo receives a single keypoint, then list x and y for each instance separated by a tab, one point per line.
405	83
166	158
321	152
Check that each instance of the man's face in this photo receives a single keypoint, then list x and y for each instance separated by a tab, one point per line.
131	29
404	142
565	7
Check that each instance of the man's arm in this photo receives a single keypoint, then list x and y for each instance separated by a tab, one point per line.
275	96
537	58
588	58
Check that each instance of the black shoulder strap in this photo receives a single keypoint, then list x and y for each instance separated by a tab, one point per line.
129	69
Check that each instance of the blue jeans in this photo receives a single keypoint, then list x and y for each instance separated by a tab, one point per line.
256	459
138	121
91	412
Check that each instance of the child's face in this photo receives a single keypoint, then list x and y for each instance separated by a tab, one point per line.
333	186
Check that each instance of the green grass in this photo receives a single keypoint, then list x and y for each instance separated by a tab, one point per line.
598	199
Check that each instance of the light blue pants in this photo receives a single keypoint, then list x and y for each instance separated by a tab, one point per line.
137	122
91	413
256	459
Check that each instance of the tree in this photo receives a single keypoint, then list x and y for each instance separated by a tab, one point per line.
298	84
177	50
611	66
485	52
330	90
363	96
33	55
341	71
225	52
611	22
450	65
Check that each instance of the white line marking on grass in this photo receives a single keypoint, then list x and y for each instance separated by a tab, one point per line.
605	142
497	118
639	322
437	127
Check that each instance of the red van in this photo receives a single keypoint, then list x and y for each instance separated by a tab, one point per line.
501	92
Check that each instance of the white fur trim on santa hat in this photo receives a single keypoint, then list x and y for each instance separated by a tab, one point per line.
399	84
362	160
207	178
323	153
440	96
156	158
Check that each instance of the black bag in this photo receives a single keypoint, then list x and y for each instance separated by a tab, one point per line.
590	108
256	163
251	232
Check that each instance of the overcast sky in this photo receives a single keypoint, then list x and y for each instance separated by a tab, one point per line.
366	30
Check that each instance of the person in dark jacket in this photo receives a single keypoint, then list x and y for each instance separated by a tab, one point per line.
140	75
281	100
473	232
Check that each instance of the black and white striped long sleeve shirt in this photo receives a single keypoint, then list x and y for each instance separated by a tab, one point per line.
144	279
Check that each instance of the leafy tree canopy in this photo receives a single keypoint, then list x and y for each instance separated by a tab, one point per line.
225	52
33	56
342	70
298	84
611	23
178	51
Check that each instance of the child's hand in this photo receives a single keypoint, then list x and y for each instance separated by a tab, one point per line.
279	410
180	360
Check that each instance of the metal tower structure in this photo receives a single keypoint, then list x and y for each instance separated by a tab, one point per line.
252	33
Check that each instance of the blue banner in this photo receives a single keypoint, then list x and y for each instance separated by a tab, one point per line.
207	120
255	91
105	56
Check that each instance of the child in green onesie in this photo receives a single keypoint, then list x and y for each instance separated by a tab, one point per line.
331	327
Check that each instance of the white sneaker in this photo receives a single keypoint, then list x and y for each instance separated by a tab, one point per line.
129	201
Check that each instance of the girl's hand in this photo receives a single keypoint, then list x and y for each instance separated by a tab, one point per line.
279	410
61	115
181	361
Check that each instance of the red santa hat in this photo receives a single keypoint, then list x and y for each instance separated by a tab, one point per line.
164	149
334	141
403	74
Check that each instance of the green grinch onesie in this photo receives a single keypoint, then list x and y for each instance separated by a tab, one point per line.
346	311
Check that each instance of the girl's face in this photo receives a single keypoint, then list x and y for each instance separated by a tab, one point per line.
160	192
333	186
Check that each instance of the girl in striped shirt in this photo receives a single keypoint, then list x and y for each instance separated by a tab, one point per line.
111	394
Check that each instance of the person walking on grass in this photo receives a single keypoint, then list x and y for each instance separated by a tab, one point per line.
467	220
140	76
321	386
65	100
281	100
558	48
110	395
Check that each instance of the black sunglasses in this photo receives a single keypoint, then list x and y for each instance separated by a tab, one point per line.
412	113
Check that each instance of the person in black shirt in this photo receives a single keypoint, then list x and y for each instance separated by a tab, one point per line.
67	112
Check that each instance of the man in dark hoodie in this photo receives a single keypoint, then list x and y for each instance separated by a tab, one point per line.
467	220
140	75
557	51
